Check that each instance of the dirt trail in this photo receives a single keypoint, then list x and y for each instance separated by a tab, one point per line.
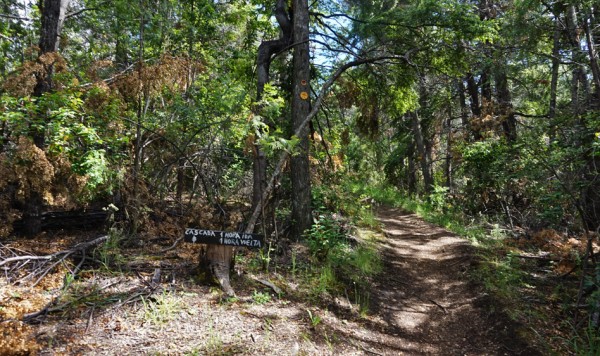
425	300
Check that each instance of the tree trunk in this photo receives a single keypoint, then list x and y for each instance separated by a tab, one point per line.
266	51
52	18
473	90
462	101
299	164
486	87
412	170
422	154
449	139
593	57
555	69
579	83
217	261
509	123
473	94
143	103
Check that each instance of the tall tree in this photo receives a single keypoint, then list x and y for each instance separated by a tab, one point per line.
299	163
266	51
53	14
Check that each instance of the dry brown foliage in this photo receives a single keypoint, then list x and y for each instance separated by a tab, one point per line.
27	169
567	249
17	338
174	73
98	96
489	123
7	214
66	185
92	71
30	169
348	93
23	80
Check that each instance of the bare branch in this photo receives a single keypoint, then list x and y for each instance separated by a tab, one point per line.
7	16
78	12
378	23
315	109
57	256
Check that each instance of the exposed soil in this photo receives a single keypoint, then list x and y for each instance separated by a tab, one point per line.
426	300
422	303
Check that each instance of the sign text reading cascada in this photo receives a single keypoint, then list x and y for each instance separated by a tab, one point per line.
223	238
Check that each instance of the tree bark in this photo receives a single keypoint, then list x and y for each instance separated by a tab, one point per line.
579	82
509	123
216	260
412	170
449	142
266	51
53	16
422	154
462	101
299	163
473	94
473	90
555	69
593	56
52	19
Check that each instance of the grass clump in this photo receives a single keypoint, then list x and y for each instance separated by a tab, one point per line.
341	265
161	309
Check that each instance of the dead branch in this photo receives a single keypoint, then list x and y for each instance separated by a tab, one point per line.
42	265
13	17
77	248
52	305
544	257
172	246
268	284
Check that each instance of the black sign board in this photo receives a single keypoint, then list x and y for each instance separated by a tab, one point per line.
213	237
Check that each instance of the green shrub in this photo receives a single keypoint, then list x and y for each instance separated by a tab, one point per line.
325	233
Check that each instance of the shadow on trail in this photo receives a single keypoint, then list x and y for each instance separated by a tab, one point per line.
424	302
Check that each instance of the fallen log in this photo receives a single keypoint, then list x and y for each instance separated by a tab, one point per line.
68	220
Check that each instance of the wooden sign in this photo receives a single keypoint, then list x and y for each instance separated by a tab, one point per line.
213	237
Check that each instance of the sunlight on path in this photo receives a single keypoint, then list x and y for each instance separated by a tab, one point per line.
424	300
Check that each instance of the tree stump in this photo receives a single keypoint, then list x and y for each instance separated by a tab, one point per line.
216	262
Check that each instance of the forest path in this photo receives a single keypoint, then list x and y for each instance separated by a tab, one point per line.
425	302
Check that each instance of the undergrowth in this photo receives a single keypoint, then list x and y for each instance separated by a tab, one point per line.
337	258
343	260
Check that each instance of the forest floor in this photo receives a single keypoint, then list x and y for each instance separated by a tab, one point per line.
422	303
